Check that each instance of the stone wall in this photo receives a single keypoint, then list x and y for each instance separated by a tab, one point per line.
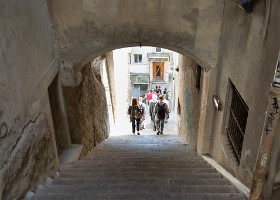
189	97
86	107
71	99
59	115
93	111
28	64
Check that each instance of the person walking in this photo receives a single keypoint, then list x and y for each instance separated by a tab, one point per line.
135	115
159	90
142	107
152	105
161	114
165	100
149	96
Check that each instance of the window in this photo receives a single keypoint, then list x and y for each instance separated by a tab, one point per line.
137	58
129	58
237	119
158	49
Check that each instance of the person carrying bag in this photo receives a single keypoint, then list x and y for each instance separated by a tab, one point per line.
135	115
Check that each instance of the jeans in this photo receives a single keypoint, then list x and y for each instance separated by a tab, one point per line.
133	119
160	125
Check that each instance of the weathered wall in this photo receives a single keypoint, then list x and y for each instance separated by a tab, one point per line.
111	80
189	97
248	54
93	112
59	115
86	107
28	64
273	185
88	28
71	99
271	48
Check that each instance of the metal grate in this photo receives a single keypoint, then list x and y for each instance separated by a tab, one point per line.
237	122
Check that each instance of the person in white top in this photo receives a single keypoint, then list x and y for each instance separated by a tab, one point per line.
142	107
167	102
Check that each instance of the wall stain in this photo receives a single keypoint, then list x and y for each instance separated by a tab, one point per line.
187	110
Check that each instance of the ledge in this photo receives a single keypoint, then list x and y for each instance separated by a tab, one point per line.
70	154
237	184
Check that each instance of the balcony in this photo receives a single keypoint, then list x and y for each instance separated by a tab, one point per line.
158	57
139	79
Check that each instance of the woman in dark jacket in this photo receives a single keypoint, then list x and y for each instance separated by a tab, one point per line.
135	115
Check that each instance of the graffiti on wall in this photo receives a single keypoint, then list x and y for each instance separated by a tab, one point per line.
271	116
3	126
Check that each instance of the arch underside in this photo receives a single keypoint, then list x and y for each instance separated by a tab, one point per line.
87	29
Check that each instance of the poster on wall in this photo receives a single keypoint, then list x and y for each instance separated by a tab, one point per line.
276	81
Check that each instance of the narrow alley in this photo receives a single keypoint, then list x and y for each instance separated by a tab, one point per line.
73	74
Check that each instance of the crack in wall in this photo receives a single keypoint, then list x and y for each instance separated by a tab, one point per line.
32	121
23	129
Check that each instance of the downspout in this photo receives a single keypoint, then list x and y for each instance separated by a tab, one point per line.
267	139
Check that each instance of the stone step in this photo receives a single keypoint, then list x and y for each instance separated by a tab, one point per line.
141	189
154	157
148	167
168	175
122	181
136	196
159	165
141	156
144	157
136	169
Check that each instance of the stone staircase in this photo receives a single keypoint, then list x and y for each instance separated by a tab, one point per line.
140	167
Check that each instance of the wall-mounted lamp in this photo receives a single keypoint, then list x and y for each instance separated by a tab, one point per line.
177	69
246	5
217	103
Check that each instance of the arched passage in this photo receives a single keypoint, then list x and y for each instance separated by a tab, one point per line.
193	101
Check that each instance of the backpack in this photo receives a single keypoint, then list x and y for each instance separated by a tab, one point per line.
142	109
138	113
134	111
161	111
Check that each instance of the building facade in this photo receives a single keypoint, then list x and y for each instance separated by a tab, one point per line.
150	67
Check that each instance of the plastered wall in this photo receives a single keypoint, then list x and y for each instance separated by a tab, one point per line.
29	63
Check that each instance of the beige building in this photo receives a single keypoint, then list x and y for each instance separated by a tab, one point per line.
149	67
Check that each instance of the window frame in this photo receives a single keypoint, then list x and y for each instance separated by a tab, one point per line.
138	58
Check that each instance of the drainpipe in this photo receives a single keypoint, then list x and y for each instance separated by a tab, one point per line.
266	144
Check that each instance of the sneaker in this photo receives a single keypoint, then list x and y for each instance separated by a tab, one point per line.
138	133
158	132
133	133
161	132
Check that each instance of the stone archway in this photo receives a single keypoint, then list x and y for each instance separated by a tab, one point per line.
87	29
